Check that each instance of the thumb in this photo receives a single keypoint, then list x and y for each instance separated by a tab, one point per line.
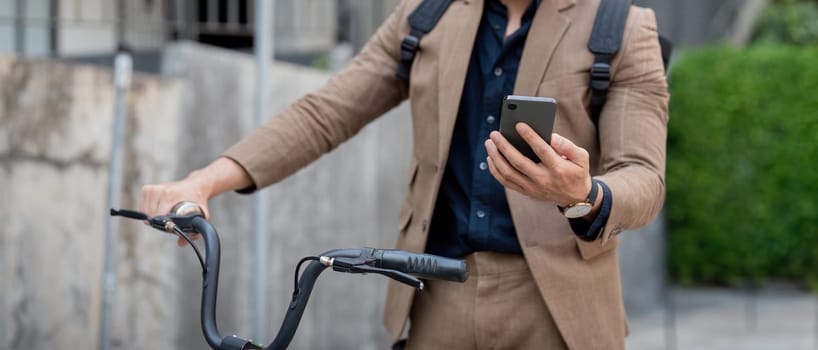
569	150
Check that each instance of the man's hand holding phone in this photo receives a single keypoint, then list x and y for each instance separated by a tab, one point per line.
562	175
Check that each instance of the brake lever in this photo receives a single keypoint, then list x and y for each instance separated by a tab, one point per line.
130	214
158	222
162	223
395	275
173	224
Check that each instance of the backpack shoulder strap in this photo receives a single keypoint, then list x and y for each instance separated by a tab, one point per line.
421	21
606	38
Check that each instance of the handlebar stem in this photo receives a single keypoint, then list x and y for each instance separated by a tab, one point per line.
210	286
297	306
210	281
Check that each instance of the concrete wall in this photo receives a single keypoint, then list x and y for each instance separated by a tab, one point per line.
54	144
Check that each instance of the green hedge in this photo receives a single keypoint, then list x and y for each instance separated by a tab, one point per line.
788	21
742	171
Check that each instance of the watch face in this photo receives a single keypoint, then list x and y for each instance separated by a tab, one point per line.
578	210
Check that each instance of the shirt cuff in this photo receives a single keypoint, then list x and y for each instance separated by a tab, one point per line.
584	228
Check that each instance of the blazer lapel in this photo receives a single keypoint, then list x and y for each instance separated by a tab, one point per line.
547	29
455	55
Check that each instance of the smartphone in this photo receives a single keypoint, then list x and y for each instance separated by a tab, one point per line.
537	112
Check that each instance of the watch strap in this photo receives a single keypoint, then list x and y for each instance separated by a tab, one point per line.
594	192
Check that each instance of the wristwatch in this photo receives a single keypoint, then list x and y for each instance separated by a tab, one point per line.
578	210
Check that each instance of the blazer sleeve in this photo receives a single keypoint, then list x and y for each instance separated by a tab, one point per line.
319	121
633	128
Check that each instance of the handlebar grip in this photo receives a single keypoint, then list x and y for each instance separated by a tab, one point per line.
425	266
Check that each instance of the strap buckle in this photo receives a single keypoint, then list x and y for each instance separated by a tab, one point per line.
601	76
408	47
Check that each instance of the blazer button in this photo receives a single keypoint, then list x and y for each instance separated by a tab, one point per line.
437	168
424	225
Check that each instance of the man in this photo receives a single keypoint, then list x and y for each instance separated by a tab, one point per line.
534	283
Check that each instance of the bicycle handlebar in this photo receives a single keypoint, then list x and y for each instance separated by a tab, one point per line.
400	265
422	265
210	281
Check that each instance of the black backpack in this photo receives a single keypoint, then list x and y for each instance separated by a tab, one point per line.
606	38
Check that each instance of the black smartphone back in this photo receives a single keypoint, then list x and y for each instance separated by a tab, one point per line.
537	112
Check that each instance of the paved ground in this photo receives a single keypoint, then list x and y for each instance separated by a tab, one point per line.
772	318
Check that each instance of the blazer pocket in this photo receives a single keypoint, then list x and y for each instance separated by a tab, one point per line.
405	217
590	250
405	214
413	173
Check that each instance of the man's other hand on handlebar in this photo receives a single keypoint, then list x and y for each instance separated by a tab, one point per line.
220	176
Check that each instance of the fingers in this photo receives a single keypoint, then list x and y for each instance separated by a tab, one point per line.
571	151
502	180
510	155
503	171
154	199
142	200
149	199
159	199
562	177
546	154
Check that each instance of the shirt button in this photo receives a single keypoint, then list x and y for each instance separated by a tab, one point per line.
483	166
490	119
498	71
481	214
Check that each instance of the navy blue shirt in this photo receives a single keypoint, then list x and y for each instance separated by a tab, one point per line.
472	212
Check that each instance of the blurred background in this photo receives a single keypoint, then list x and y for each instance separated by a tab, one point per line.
731	264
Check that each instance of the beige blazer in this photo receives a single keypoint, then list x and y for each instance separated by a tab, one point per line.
579	281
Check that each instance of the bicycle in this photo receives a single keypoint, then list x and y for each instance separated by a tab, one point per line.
187	218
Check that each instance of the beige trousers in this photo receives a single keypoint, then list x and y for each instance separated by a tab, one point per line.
498	307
